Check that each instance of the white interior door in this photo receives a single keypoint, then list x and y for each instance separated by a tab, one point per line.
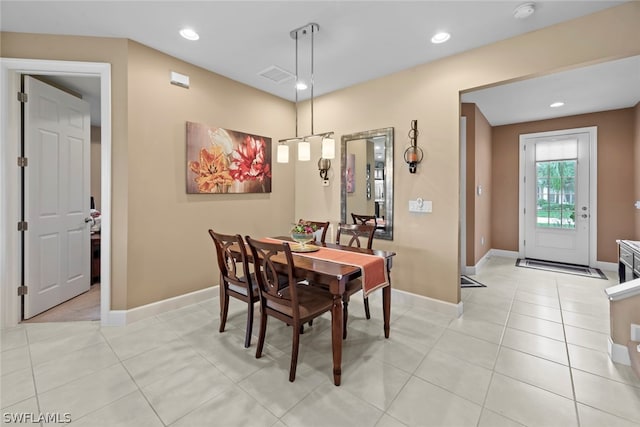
557	205
56	196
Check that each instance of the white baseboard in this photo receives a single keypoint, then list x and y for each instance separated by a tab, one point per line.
427	303
471	270
607	266
124	317
505	254
635	332
619	353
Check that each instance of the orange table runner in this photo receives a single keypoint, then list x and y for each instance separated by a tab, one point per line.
373	267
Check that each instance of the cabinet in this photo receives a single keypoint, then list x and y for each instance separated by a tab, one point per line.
628	260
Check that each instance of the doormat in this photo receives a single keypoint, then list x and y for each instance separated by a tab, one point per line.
558	267
468	282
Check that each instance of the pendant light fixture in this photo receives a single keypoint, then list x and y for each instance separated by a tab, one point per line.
304	145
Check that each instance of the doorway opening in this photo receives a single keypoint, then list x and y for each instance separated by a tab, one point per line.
558	196
10	72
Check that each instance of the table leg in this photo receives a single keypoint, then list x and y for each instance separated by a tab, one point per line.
336	337
386	308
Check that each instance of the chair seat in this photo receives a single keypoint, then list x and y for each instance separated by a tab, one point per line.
242	290
311	301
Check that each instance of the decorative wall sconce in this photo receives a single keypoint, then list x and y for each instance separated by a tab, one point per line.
323	166
413	155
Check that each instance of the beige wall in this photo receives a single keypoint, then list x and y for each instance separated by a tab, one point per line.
170	250
622	314
478	174
615	177
160	247
427	244
96	167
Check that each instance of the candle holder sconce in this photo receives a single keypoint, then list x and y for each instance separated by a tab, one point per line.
413	155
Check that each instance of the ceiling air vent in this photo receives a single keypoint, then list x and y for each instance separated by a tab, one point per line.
276	74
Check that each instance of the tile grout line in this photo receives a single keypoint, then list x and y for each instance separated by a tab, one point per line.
566	347
493	369
144	396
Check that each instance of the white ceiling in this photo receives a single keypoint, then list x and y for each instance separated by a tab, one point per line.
357	41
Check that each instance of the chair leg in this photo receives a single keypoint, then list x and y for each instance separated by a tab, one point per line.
247	336
294	353
366	308
224	309
263	330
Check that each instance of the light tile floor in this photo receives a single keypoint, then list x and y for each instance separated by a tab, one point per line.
529	350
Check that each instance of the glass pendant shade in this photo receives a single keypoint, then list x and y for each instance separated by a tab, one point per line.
304	151
328	148
283	153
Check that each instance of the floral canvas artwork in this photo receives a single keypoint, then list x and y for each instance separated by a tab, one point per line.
227	161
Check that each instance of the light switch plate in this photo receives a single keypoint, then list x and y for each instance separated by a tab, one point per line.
420	206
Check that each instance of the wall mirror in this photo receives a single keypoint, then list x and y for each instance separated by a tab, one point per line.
367	178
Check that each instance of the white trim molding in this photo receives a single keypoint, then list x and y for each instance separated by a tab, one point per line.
635	332
503	253
414	300
10	71
623	290
125	317
618	353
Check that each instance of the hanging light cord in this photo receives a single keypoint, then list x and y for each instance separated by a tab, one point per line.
297	82
294	35
312	32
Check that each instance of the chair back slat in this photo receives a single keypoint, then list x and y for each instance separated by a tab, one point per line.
274	269
364	219
351	235
232	269
321	229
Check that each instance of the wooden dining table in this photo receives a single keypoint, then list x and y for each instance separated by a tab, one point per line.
335	276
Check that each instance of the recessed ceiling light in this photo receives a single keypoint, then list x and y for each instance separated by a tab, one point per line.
524	10
301	85
440	37
189	34
557	104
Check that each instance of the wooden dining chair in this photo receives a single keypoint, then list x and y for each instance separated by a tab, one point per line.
354	235
321	229
364	219
290	302
235	279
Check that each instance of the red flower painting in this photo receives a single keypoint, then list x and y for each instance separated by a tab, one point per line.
249	160
226	161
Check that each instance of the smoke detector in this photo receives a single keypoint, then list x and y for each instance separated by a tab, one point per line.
524	10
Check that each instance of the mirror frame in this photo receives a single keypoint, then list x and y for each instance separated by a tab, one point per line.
387	233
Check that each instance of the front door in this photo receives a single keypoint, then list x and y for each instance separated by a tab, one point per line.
557	205
56	196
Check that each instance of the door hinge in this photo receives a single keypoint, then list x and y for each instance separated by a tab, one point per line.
22	97
524	243
22	290
524	211
23	162
23	226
